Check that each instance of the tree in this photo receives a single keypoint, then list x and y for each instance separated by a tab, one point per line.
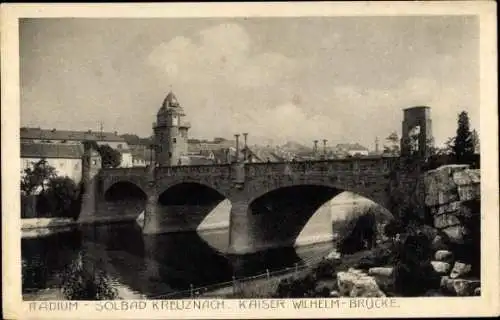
37	176
60	197
392	148
463	144
110	158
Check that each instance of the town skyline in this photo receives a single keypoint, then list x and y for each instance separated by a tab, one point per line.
264	76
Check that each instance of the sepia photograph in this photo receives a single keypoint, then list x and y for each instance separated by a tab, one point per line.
265	158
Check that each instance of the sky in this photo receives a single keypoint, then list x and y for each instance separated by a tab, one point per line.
345	79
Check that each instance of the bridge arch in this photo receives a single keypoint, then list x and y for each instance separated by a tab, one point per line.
192	205
277	216
377	192
124	189
123	200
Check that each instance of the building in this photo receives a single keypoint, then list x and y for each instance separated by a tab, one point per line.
351	150
261	154
68	137
65	158
170	133
196	147
142	155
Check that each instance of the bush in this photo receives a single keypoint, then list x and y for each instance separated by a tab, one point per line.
393	228
413	272
60	199
382	255
82	284
359	232
297	288
326	269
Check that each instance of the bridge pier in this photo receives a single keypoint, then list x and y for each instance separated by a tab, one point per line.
152	220
240	233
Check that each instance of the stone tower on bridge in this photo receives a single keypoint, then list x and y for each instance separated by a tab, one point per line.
170	132
417	138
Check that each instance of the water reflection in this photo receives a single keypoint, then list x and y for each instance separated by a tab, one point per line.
119	259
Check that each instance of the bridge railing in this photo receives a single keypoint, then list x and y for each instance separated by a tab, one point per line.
309	167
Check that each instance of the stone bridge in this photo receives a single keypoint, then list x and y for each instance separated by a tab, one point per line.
270	202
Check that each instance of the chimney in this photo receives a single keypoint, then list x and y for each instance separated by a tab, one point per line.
315	148
53	130
324	147
246	148
376	145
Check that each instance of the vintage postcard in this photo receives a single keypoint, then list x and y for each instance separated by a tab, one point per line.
250	160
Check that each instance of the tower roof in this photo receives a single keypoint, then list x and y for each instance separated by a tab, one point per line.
170	100
170	103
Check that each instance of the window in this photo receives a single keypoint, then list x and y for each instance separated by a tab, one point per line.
175	140
119	146
94	162
170	154
61	164
77	166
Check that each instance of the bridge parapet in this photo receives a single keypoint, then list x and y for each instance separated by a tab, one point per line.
107	172
221	170
321	167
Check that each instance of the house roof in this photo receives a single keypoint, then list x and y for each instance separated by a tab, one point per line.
212	146
350	147
54	134
264	154
48	150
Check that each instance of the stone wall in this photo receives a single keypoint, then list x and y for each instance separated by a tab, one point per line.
452	197
453	200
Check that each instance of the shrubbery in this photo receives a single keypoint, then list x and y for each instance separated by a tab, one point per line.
413	272
59	199
302	287
82	284
359	231
326	269
382	255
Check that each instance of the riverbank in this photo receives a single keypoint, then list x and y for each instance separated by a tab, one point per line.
39	227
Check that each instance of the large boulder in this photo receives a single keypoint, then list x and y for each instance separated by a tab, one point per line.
381	271
460	269
441	267
460	287
444	256
439	185
366	287
356	283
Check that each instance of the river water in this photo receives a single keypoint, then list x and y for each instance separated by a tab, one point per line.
148	266
140	266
